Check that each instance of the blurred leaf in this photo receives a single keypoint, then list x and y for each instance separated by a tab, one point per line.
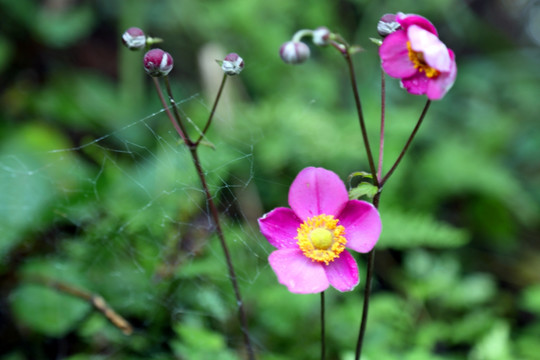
36	177
44	309
403	230
63	27
495	345
6	52
530	299
200	343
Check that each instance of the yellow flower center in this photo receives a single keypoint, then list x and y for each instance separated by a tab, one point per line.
419	62
321	238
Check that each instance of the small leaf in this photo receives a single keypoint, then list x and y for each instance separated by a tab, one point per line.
376	41
363	189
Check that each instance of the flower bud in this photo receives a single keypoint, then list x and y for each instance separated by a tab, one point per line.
294	52
232	64
387	25
321	36
134	38
157	62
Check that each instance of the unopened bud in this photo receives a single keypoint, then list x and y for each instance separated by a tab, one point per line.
387	25
134	38
321	36
157	62
232	64
294	52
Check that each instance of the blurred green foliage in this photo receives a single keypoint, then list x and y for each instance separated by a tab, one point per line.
99	194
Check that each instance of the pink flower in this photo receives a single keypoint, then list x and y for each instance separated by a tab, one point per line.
311	237
414	54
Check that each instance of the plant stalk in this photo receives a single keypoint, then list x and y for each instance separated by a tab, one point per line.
406	147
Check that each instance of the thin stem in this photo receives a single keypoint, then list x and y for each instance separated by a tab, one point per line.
365	308
323	337
95	300
361	116
178	118
177	125
406	147
213	211
381	140
211	116
230	267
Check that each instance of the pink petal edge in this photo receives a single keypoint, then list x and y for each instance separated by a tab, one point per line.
434	51
395	55
362	224
317	191
416	84
297	272
280	227
438	87
406	20
342	273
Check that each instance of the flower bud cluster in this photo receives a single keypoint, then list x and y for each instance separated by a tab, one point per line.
296	51
158	63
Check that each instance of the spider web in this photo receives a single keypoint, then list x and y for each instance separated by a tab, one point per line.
127	219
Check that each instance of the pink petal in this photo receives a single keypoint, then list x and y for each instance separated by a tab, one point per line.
280	226
438	87
434	51
395	55
297	272
362	224
342	273
317	191
416	84
406	20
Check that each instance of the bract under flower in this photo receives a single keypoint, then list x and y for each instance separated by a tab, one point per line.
415	55
312	237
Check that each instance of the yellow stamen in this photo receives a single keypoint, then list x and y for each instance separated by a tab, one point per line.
321	238
419	62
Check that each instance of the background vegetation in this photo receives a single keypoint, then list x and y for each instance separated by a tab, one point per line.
99	195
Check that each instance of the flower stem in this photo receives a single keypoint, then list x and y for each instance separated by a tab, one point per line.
213	210
211	116
176	124
406	147
365	308
381	139
352	76
178	118
323	337
232	274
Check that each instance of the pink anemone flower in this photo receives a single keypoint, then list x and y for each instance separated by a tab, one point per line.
414	54
312	236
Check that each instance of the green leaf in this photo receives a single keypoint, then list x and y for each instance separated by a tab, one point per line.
495	345
403	230
363	189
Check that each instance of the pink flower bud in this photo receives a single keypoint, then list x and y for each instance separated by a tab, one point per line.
232	64
158	62
294	52
321	36
387	25
134	38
